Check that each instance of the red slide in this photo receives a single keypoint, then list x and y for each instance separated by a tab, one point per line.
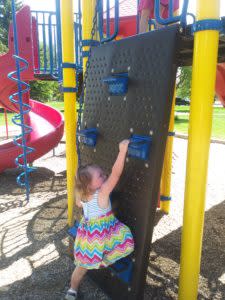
47	123
220	83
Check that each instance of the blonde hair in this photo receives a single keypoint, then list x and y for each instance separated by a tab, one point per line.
83	179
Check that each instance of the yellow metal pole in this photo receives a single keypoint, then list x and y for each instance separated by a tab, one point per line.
88	11
167	165
67	21
203	86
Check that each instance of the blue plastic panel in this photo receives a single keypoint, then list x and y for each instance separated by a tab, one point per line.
139	147
123	269
117	84
72	231
88	136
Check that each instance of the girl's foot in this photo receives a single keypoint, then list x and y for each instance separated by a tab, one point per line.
71	294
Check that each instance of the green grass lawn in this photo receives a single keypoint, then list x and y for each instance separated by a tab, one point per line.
2	118
181	119
56	104
218	125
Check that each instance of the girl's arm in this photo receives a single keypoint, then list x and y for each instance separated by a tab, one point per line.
117	170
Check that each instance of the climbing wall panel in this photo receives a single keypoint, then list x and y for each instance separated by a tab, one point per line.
151	61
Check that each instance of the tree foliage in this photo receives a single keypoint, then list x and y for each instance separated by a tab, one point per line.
3	48
184	82
45	91
5	19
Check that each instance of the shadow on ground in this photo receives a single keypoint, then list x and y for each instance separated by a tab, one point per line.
42	180
35	263
163	270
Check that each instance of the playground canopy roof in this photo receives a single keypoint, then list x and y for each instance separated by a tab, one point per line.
126	8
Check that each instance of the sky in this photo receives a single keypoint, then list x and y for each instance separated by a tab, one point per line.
50	5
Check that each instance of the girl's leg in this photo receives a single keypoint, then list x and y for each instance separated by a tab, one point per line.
144	18
143	24
77	276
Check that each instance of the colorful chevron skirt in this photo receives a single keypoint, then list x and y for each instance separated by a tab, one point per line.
102	241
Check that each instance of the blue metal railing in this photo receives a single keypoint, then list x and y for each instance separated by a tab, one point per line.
171	17
49	41
49	31
48	44
104	17
78	38
59	41
51	51
19	119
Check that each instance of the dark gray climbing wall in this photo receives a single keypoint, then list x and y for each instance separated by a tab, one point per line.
151	62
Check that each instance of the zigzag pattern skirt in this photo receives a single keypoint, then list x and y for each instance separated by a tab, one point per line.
102	241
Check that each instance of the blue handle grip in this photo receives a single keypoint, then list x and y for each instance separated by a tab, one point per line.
117	84
139	147
88	136
73	230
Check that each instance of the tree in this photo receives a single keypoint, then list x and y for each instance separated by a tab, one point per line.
44	91
3	48
5	19
184	82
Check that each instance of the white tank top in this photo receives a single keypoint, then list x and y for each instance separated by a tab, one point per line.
91	208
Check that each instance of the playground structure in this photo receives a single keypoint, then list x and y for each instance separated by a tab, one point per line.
46	122
195	193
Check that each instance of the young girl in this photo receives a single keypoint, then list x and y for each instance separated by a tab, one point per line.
146	10
101	239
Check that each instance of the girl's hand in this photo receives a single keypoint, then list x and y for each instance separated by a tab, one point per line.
123	146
